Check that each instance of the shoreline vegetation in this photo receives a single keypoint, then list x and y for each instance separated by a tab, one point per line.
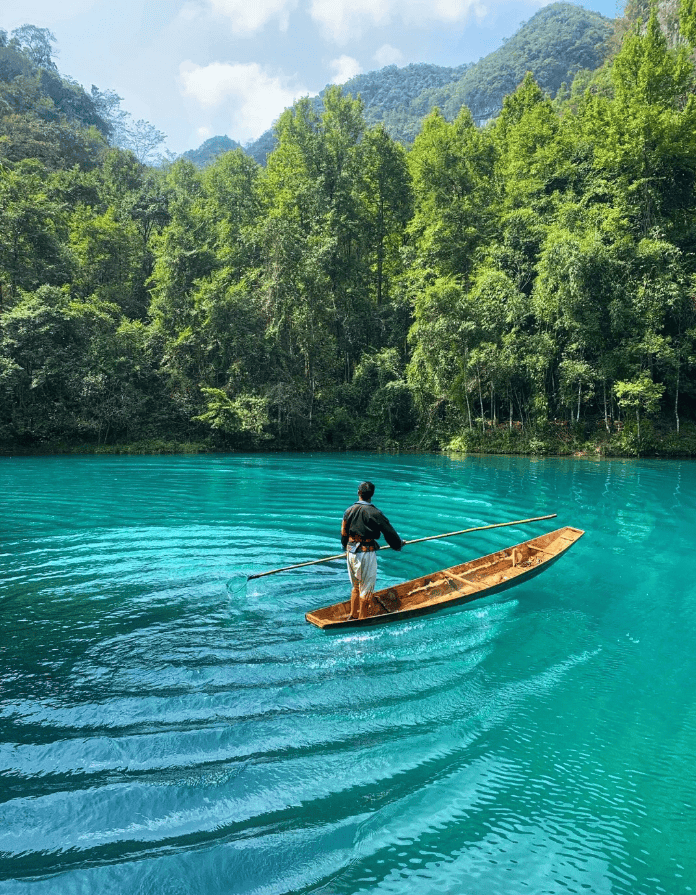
555	439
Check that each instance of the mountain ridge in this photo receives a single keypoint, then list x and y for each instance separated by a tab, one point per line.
559	40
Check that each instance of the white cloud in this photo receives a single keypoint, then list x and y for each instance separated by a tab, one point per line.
252	98
248	16
344	68
189	12
344	19
450	10
388	55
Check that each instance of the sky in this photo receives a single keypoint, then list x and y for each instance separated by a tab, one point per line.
198	68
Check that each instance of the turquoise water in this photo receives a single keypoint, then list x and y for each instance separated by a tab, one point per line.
161	731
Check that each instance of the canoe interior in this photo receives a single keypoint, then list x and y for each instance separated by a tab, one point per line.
458	584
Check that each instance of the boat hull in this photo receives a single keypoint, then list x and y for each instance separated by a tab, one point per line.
455	586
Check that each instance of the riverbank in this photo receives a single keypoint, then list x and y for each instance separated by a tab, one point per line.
548	439
564	440
150	446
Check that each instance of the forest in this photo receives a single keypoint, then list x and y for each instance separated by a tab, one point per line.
527	285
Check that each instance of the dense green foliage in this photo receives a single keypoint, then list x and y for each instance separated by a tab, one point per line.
504	287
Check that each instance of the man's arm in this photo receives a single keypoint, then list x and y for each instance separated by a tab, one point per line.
387	529
344	532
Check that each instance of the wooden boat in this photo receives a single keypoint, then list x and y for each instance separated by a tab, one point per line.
449	587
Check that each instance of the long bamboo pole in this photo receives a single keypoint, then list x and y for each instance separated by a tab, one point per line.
449	534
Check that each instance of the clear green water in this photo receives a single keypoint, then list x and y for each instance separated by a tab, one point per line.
160	733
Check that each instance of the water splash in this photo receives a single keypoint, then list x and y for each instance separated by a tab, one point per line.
237	585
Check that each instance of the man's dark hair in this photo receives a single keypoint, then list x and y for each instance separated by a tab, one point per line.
366	490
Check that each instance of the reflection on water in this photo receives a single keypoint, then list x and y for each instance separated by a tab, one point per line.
167	726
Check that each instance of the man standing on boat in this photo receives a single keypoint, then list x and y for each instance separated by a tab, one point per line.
362	525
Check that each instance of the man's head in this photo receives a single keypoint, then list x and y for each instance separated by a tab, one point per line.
366	490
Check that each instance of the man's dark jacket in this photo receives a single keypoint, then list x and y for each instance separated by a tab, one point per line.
363	523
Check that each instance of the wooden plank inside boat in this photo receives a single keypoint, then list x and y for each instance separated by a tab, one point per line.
458	584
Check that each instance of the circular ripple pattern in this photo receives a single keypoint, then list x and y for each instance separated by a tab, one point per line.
166	729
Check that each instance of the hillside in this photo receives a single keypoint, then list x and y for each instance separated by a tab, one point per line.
554	46
395	88
556	43
44	115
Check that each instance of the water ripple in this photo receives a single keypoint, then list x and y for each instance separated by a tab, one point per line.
163	732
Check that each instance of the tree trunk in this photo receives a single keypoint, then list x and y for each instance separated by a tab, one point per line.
606	418
466	388
519	404
380	251
311	400
676	390
483	417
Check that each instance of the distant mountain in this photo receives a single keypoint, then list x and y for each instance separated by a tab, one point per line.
210	150
394	88
556	43
262	147
383	92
